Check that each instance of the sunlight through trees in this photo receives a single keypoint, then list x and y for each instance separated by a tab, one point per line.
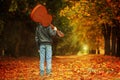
91	22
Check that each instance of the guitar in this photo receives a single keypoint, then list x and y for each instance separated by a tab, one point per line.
39	14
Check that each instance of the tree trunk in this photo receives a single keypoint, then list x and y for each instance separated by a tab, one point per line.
106	29
114	41
118	47
118	38
107	46
17	47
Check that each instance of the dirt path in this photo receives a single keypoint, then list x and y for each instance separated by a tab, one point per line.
86	67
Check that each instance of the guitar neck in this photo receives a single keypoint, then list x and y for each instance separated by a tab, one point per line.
52	26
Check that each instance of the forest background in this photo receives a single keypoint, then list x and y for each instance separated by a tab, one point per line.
90	26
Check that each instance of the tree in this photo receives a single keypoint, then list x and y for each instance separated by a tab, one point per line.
16	24
98	13
84	22
114	5
113	11
106	29
18	32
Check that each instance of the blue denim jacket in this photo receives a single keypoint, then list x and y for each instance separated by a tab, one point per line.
44	34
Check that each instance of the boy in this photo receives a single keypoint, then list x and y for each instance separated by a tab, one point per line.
44	39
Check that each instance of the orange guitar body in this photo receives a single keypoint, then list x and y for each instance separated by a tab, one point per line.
39	14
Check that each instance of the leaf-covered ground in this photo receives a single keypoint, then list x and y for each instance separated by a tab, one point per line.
86	67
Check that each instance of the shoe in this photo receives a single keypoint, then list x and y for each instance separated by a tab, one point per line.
48	74
48	71
41	73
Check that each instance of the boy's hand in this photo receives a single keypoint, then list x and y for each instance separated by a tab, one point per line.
55	28
59	33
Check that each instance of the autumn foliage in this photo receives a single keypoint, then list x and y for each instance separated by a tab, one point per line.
86	67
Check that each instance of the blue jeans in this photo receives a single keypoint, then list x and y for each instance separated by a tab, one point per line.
45	53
